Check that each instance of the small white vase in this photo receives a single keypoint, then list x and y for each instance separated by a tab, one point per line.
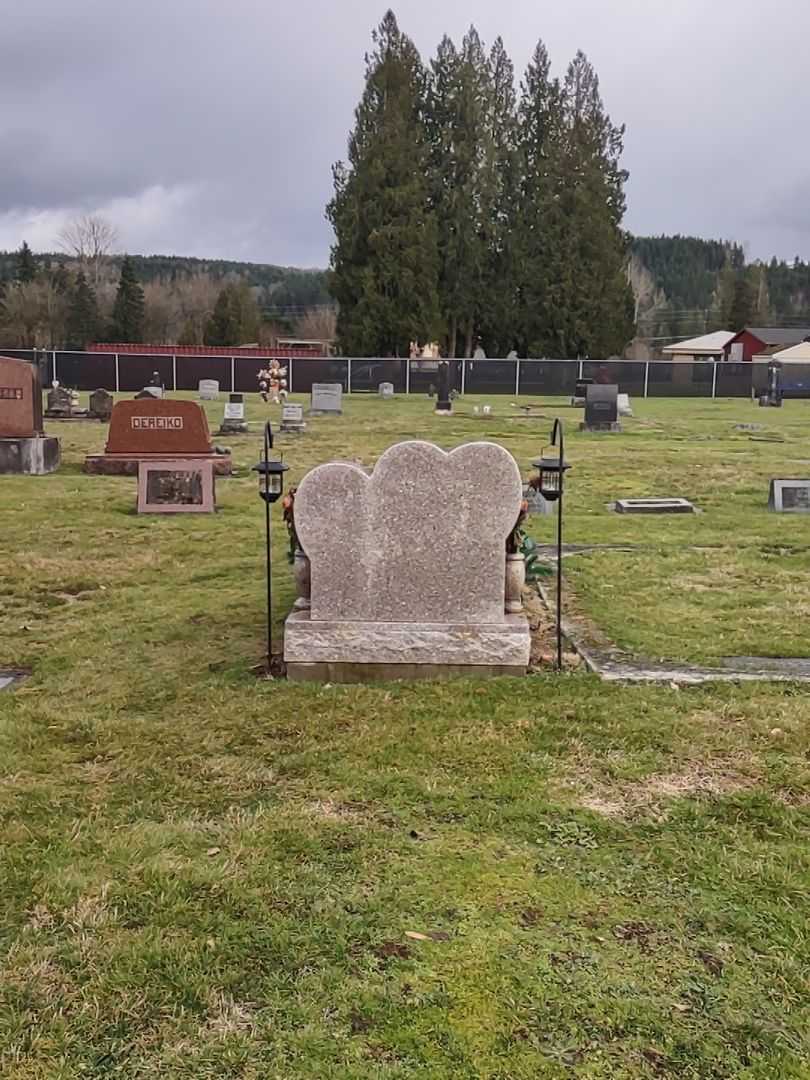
515	580
301	572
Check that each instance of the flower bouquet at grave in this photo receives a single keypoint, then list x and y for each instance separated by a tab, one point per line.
288	516
519	542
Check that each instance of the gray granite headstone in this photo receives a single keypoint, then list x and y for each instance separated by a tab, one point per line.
326	398
292	419
209	390
386	389
387	583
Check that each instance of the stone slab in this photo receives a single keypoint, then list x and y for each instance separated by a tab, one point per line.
176	486
36	456
385	547
308	640
653	506
365	673
597	426
789	496
20	399
127	464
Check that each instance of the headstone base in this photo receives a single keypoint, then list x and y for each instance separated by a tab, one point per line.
73	414
364	649
610	425
292	429
127	465
233	427
364	673
35	456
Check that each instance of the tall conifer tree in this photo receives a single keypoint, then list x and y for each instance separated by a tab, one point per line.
597	301
384	259
82	317
464	185
26	268
128	310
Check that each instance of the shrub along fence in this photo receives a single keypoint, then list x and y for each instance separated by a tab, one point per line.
129	372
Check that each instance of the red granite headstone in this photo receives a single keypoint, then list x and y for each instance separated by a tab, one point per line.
20	399
160	427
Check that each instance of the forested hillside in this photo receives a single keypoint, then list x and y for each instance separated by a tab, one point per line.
284	290
685	285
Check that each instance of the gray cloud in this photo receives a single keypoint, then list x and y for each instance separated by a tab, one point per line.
210	129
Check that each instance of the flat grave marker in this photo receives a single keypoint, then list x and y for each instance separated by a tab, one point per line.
176	486
789	496
653	506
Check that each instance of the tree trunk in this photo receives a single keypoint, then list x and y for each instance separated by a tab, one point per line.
468	340
451	338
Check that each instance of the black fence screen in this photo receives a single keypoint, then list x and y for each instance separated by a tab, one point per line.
130	372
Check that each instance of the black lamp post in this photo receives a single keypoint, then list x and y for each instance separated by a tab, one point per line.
271	486
550	483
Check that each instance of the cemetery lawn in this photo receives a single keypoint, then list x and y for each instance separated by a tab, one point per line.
206	874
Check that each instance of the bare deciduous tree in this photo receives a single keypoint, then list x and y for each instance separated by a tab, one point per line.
91	238
33	315
320	324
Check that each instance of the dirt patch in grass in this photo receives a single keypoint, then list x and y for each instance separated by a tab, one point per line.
631	798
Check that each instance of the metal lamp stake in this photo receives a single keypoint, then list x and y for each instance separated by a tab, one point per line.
271	486
557	429
551	483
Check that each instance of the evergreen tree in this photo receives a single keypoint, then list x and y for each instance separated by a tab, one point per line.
235	318
26	269
743	303
539	267
596	299
385	259
464	185
128	310
498	304
82	316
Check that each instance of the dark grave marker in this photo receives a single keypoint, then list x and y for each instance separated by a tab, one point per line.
601	408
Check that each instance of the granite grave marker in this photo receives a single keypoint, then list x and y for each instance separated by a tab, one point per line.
176	486
601	408
326	398
24	448
389	595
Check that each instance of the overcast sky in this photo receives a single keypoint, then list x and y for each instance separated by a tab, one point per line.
209	128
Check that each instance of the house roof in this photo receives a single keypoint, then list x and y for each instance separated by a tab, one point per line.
797	353
779	335
708	343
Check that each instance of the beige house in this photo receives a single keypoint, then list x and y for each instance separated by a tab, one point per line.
796	354
708	347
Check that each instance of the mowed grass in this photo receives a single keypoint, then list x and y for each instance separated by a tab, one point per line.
204	874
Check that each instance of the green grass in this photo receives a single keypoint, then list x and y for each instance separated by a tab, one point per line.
209	875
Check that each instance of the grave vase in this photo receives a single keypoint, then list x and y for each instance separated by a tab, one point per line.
515	580
301	573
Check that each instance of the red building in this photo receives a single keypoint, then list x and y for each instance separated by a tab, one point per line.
758	339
